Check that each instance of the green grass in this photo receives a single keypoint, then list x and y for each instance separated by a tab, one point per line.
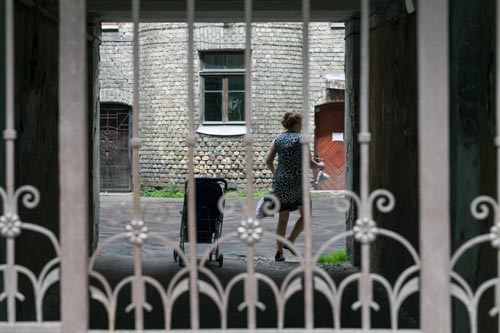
161	193
257	194
334	257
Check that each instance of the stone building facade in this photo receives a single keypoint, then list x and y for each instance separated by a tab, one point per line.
220	151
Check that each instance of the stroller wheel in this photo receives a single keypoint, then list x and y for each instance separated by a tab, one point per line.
176	255
181	263
220	259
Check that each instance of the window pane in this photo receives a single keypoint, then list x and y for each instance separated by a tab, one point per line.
221	60
213	106
213	83
236	106
213	61
235	61
236	82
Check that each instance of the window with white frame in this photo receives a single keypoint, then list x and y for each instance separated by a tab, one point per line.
223	87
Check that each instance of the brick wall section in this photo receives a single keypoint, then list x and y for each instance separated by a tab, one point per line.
276	87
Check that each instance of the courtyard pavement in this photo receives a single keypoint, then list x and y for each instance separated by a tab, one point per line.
163	216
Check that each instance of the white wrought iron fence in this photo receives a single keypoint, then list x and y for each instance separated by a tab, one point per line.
431	274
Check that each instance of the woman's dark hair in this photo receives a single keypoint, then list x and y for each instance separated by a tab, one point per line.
291	118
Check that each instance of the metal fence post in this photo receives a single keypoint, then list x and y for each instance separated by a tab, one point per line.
433	122
73	164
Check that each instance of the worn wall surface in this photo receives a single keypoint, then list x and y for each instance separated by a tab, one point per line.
276	87
36	107
351	120
93	42
473	165
393	123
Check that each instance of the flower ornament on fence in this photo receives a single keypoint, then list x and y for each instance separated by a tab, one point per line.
137	232
365	230
495	235
10	225
250	231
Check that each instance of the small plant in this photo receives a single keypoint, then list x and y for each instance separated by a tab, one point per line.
171	192
334	257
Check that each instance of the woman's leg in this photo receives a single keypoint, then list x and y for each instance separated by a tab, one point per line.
281	228
298	227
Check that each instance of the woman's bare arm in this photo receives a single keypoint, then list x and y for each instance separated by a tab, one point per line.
271	154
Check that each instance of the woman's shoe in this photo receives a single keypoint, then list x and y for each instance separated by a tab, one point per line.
292	251
279	256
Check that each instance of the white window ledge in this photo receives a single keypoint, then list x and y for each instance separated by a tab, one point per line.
222	130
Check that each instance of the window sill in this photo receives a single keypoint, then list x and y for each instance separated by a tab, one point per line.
222	130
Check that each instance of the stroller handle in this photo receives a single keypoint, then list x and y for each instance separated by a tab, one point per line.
219	180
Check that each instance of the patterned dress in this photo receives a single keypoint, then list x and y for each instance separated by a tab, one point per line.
288	175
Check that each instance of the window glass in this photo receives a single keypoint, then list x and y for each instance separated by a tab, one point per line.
235	61
236	106
213	83
213	106
236	82
219	60
213	61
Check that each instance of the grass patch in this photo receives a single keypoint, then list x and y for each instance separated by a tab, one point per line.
334	257
162	193
243	194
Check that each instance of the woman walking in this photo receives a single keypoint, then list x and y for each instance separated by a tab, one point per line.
288	176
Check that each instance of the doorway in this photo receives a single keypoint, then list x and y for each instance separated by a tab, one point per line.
114	150
329	144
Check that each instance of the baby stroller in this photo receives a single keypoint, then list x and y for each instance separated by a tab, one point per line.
208	217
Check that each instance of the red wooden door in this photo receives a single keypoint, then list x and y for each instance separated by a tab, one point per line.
329	144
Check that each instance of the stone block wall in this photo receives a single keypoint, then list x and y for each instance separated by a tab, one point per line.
276	87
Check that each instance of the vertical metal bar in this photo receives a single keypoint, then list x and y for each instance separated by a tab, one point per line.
364	135
191	142
433	133
251	292
9	135
248	101
73	164
306	152
135	143
365	285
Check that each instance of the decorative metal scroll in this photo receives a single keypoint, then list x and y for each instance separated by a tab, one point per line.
307	277
482	207
12	224
460	288
11	227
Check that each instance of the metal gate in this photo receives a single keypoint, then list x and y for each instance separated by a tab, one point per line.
431	275
114	151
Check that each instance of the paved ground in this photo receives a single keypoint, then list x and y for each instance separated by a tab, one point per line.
163	216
